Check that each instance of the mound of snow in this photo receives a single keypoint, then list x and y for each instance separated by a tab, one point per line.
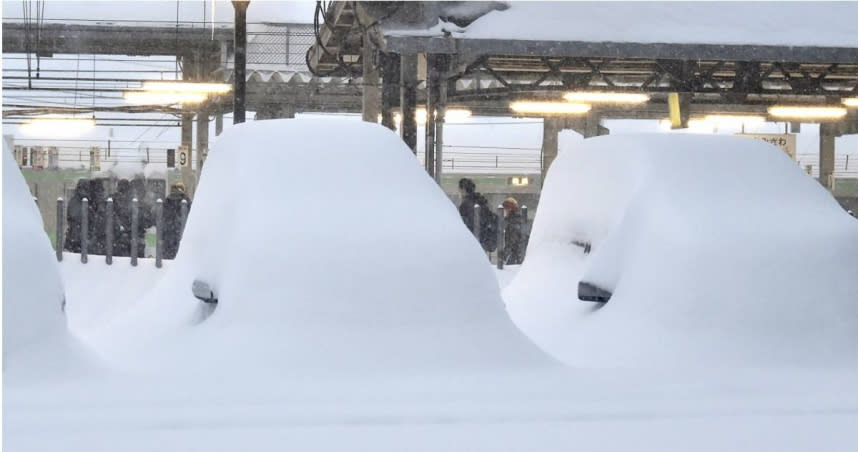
34	328
342	254
718	250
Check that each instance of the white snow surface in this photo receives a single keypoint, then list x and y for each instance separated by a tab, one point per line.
719	251
345	256
826	24
35	337
222	409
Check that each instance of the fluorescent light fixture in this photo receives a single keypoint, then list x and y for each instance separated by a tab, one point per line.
549	108
850	102
797	112
187	87
604	97
57	126
162	98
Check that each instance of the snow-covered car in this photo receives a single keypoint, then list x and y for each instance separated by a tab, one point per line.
318	250
34	329
701	249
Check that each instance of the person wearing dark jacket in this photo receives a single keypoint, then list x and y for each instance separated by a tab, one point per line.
173	219
470	197
514	238
97	217
122	219
145	214
74	216
488	219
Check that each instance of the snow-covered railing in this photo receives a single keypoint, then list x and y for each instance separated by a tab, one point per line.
81	243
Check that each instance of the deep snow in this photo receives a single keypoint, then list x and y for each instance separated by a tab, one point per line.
343	255
35	338
720	251
700	409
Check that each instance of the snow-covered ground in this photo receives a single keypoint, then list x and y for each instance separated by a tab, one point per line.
159	379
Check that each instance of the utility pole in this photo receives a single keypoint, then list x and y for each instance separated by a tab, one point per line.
240	83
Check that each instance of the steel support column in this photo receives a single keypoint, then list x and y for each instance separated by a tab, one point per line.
827	135
433	84
370	102
188	142
390	77
240	82
202	141
408	100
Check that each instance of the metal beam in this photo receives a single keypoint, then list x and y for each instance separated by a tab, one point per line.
113	39
449	45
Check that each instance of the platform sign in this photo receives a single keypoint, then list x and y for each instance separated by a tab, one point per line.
785	141
183	157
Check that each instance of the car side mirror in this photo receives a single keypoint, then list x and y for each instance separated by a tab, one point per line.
591	292
203	291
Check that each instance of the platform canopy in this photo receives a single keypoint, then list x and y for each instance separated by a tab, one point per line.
745	55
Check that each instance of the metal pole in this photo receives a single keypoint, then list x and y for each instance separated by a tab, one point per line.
184	213
408	100
431	104
240	82
60	228
135	206
159	231
501	226
108	254
476	224
84	228
524	214
439	131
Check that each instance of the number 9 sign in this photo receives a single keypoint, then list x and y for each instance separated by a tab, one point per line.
184	157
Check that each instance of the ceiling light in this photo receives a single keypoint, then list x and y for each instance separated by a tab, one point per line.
549	108
57	126
614	98
850	101
163	98
796	112
188	87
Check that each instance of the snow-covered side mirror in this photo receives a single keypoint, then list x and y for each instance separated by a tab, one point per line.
203	291
591	292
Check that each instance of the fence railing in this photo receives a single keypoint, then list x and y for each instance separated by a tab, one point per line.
89	238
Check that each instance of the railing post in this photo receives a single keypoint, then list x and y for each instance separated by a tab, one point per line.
108	221
476	224
159	231
501	221
184	218
135	207
60	228
84	228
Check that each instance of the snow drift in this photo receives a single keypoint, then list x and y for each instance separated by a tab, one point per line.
326	251
718	251
34	329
